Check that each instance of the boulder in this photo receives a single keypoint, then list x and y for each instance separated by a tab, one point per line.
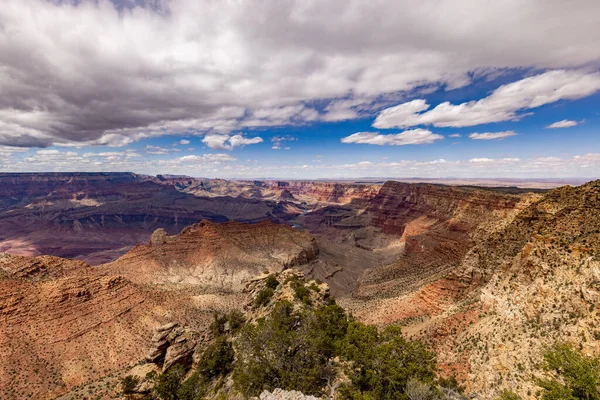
279	394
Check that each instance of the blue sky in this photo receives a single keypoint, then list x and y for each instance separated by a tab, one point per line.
315	90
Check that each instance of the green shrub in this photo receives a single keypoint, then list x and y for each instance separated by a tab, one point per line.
301	292
217	327
193	388
217	359
451	383
574	376
417	390
288	350
167	385
129	383
382	363
236	320
231	322
271	282
508	395
263	297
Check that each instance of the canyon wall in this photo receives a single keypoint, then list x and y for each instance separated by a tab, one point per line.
98	216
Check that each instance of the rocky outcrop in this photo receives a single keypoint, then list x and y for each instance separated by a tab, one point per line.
280	394
222	256
158	237
326	192
172	345
437	225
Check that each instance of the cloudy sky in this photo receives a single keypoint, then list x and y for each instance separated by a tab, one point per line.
301	89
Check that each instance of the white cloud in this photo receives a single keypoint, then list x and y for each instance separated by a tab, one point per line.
112	154
217	142
226	165
503	104
415	136
6	151
184	142
48	152
455	135
492	135
488	161
565	123
279	140
396	116
239	140
207	158
156	150
226	142
205	67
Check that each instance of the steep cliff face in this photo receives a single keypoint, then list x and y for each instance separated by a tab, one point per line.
327	192
417	230
397	204
529	280
25	186
222	256
540	279
309	192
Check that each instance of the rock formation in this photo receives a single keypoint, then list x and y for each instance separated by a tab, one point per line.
528	280
65	324
172	344
221	256
99	216
279	394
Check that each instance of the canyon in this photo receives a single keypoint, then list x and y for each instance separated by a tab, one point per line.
95	263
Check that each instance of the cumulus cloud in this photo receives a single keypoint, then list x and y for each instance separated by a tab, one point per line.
565	123
184	142
6	151
226	165
492	135
128	160
278	142
227	142
505	103
414	136
112	76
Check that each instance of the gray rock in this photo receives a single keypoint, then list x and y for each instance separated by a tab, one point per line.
158	237
166	327
178	353
279	394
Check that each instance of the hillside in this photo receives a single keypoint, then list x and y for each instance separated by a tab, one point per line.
220	256
525	284
64	323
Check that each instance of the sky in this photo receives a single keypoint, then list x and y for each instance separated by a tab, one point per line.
302	89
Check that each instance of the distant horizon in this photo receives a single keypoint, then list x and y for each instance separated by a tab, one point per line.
542	183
